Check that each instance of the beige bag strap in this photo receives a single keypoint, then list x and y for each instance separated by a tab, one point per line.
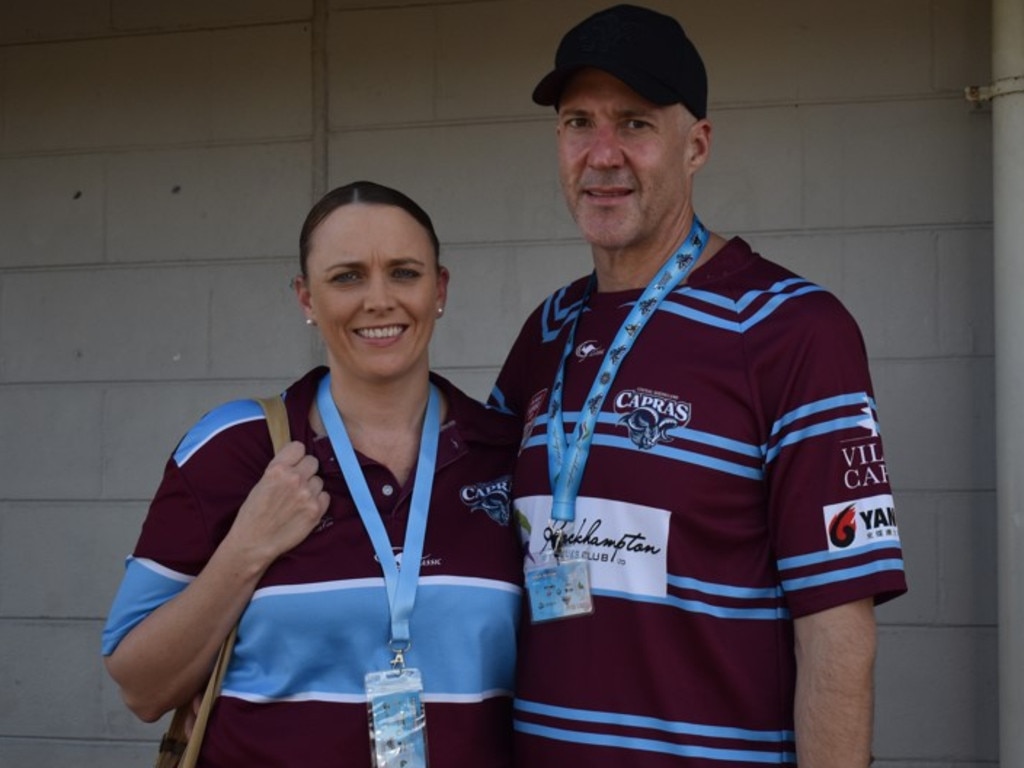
277	421
280	434
195	740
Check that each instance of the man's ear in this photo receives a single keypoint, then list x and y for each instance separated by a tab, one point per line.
699	143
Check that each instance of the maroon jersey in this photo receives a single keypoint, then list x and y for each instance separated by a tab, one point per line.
736	481
318	621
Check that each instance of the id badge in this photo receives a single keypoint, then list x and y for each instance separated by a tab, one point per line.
398	725
559	590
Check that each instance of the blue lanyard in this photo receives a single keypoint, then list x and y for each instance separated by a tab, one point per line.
568	459
400	583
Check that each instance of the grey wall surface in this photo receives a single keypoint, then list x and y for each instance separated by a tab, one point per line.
157	158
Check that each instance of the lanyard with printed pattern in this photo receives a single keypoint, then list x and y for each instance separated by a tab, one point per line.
568	458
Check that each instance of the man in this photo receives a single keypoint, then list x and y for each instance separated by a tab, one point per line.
700	444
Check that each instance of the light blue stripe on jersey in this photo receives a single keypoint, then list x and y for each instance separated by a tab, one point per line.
539	439
691	435
751	756
846	574
297	643
690	457
697	606
827	404
145	587
725	590
867	411
554	316
652	723
796	583
741	304
652	745
701	317
770	306
863	419
815	430
213	423
780	293
498	403
817	558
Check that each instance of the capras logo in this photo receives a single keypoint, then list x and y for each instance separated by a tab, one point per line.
648	416
492	497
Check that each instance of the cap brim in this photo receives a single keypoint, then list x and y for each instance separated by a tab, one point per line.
549	90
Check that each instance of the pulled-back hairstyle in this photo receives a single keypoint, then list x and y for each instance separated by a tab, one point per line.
369	193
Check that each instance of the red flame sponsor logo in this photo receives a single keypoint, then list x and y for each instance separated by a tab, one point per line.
842	530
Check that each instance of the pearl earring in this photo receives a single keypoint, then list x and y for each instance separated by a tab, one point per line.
440	311
310	321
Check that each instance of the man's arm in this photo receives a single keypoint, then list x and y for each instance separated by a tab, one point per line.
835	657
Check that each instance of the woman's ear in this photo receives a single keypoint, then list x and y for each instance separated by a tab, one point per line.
301	286
443	276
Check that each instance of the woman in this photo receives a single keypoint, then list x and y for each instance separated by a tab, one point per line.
282	544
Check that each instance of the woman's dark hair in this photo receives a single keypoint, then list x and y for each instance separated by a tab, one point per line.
367	192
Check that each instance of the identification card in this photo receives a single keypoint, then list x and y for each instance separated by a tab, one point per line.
398	725
559	590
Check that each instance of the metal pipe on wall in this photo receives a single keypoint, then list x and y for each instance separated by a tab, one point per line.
1007	95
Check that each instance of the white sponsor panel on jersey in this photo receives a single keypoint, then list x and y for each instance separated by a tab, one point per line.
853	524
625	544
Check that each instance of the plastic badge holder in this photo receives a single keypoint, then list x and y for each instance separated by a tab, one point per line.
559	590
398	725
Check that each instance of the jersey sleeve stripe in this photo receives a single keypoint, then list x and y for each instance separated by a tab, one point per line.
146	586
845	574
817	558
213	423
820	406
817	430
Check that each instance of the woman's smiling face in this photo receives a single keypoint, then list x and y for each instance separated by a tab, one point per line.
374	288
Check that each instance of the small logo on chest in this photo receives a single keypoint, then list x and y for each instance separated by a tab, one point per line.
492	498
587	349
648	416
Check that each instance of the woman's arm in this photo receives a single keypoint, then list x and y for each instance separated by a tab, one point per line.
167	658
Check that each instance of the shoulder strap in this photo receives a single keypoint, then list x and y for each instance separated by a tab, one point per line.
277	420
195	741
280	434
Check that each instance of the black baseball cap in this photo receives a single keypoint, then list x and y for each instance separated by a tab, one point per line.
646	50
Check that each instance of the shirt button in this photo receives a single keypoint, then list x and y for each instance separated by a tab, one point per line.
387	490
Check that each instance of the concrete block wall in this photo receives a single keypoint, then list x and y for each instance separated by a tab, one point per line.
157	158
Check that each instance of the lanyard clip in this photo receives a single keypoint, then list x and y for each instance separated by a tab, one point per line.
398	662
559	541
